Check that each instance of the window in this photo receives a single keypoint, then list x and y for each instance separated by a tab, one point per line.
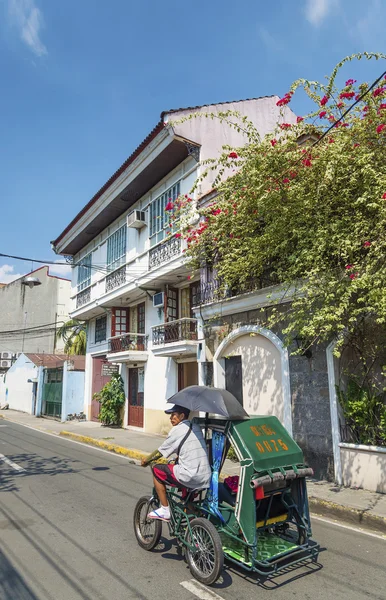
116	249
84	272
119	322
141	318
100	329
159	218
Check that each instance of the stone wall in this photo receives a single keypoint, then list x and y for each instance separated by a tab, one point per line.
309	391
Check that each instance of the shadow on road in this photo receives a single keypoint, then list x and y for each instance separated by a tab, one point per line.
12	585
33	465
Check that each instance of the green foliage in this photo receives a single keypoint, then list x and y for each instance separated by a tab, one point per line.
73	333
365	414
311	218
231	455
112	399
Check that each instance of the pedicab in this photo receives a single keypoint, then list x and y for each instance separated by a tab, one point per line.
258	520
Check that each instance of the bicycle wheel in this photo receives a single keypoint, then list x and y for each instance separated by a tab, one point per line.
147	531
207	560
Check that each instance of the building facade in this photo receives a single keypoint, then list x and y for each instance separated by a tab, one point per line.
130	280
30	316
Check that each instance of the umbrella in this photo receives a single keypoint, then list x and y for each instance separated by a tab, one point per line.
210	400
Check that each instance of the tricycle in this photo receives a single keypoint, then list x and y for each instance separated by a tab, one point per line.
258	520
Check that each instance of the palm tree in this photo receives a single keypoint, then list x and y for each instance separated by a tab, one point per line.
73	333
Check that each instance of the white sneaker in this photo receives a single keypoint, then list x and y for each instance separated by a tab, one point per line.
162	514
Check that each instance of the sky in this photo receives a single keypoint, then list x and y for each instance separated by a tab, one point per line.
84	81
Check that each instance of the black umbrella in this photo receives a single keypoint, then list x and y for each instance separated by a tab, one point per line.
210	400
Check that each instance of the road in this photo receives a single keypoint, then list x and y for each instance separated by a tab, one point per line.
66	534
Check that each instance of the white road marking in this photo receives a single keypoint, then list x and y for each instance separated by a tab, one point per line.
11	463
199	590
3	425
355	529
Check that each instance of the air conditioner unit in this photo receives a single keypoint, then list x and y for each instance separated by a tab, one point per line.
7	355
137	219
5	364
158	299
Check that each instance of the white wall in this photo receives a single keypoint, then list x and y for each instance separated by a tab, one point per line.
364	467
19	390
213	135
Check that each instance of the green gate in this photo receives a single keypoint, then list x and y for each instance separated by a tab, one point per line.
52	392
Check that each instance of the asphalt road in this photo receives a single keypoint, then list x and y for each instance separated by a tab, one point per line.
66	534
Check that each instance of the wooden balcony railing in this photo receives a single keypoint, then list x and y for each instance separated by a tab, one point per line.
174	331
128	341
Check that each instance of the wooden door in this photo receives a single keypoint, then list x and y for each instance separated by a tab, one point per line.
234	377
98	382
136	397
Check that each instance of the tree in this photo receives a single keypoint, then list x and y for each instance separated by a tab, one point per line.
308	216
73	333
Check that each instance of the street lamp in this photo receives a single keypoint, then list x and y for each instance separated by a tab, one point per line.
31	282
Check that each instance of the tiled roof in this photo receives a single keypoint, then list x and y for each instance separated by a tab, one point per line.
115	176
174	110
56	360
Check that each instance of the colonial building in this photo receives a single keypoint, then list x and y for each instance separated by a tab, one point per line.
130	280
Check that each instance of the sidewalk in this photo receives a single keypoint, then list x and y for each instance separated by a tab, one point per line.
359	507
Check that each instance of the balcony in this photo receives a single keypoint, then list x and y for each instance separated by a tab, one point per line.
164	252
215	291
128	347
116	279
176	338
83	298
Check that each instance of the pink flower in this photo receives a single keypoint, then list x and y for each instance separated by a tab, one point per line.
169	205
350	82
324	101
285	125
293	174
347	95
178	235
384	196
356	145
286	180
273	142
299	119
233	155
322	114
366	108
285	100
380	128
353	276
331	118
340	104
348	267
189	277
382	106
378	91
366	244
331	141
306	162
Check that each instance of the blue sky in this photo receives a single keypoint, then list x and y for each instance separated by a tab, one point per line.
84	81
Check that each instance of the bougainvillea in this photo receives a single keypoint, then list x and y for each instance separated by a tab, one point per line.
305	212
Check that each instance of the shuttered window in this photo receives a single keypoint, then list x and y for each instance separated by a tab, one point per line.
159	217
116	249
84	273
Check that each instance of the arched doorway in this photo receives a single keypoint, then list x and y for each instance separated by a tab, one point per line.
253	363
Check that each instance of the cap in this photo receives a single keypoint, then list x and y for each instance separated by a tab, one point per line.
177	408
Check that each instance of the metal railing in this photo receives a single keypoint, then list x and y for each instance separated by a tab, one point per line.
128	341
215	291
174	331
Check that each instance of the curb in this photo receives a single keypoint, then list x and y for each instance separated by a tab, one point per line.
347	514
129	452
